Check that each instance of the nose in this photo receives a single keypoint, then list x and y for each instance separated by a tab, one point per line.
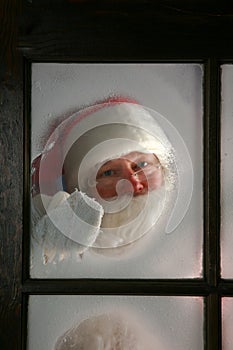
135	181
137	184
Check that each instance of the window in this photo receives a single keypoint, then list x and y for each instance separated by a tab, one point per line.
166	298
57	91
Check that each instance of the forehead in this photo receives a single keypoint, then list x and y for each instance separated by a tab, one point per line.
131	157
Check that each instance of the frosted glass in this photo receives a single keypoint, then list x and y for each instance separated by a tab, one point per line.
172	90
171	322
227	171
227	323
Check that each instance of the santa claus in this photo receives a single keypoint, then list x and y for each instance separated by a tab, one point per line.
102	180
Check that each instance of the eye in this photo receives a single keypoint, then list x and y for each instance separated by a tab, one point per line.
108	172
142	164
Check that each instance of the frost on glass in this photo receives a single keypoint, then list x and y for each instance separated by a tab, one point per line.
113	171
226	172
227	323
109	322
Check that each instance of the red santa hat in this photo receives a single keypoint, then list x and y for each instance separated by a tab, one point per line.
103	131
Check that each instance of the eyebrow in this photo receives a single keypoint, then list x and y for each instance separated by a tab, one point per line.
137	157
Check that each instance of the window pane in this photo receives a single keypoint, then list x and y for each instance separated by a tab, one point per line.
227	323
134	322
162	231
227	170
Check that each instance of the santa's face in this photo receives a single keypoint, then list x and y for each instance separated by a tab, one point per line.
142	171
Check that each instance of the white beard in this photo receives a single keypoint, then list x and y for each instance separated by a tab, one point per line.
131	223
117	229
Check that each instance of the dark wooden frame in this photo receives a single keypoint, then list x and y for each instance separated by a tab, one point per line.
107	31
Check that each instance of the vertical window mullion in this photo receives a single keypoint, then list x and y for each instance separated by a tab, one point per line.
27	170
213	322
212	171
212	201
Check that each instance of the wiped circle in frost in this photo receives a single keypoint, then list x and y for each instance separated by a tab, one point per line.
142	129
126	217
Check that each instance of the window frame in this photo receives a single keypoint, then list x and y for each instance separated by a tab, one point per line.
32	48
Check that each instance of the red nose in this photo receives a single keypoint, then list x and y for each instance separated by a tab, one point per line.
136	183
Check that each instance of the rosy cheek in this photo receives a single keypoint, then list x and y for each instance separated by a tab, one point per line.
106	191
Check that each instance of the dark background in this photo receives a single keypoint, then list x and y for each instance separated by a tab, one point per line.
102	31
